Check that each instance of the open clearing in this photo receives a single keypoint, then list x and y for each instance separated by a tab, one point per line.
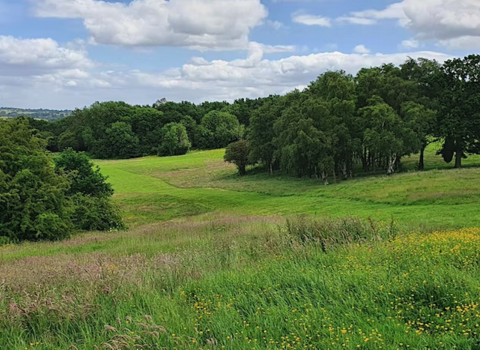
209	263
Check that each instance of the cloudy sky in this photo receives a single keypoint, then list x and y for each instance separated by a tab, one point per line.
71	53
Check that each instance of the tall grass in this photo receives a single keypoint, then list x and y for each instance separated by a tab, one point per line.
252	284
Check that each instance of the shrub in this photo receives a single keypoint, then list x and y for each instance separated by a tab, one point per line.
96	213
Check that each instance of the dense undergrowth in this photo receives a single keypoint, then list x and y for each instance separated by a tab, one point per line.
250	284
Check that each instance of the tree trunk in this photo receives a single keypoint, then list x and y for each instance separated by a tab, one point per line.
391	164
458	159
421	162
365	160
325	178
271	168
242	170
344	171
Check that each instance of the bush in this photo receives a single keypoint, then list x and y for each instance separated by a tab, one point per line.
96	213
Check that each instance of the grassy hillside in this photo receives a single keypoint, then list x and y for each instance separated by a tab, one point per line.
210	263
152	189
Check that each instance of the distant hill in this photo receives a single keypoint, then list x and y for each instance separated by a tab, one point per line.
45	114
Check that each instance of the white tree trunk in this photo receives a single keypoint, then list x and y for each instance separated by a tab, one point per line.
391	164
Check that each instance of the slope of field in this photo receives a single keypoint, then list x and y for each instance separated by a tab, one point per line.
153	189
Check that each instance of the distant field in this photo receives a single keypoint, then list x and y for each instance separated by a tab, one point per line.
153	189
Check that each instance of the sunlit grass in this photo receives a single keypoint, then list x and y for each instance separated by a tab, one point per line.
243	284
153	189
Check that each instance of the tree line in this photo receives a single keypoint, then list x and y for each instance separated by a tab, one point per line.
340	123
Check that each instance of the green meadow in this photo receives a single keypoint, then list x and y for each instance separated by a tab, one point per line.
212	260
154	189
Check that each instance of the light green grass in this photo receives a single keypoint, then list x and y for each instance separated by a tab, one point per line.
152	189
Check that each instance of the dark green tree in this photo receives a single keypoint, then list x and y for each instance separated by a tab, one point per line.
238	153
459	111
90	193
33	201
218	129
85	177
261	133
120	141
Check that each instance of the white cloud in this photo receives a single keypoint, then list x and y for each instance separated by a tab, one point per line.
59	77
311	20
29	57
201	25
451	23
361	49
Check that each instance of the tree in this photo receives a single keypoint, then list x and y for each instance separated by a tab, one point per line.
423	110
33	201
238	154
174	140
218	129
68	140
120	141
89	193
386	134
261	133
85	177
459	111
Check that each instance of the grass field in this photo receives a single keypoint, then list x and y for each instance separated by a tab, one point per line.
209	262
153	189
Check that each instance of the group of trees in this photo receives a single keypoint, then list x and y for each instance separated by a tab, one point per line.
48	198
338	124
119	130
341	123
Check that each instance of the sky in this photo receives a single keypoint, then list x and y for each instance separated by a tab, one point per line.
66	54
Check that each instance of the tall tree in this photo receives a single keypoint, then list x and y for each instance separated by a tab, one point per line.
261	133
459	112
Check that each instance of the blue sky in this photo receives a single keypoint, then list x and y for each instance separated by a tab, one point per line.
71	53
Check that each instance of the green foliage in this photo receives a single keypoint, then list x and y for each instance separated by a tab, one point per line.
33	202
90	194
68	140
85	177
175	140
322	132
96	213
120	141
238	154
218	129
459	111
